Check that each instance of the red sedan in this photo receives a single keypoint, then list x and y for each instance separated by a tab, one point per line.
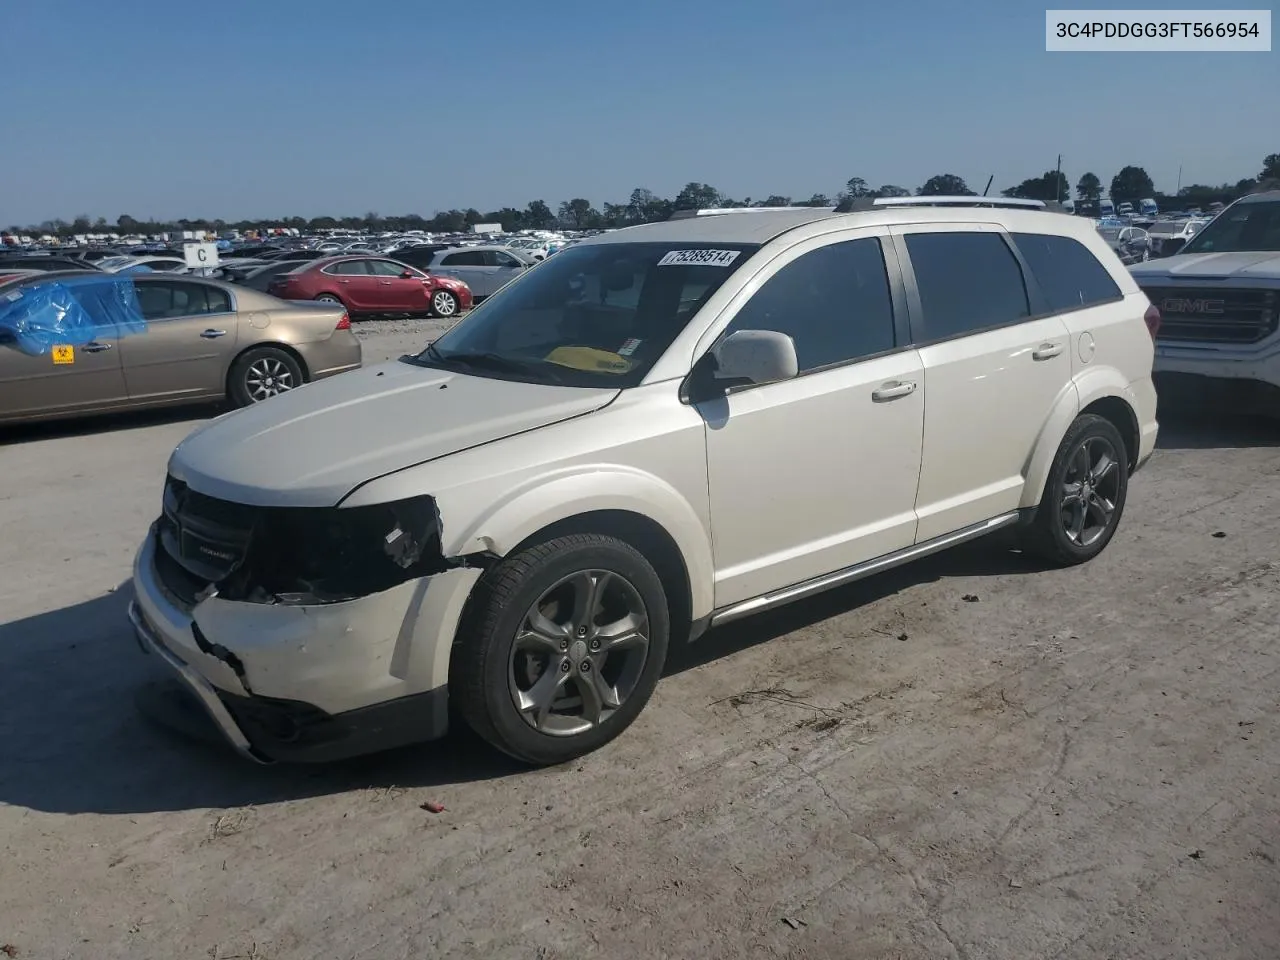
373	285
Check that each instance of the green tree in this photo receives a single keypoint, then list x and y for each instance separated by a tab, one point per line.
1270	168
1130	185
1089	187
81	224
945	185
889	190
856	188
697	196
1049	187
817	200
126	224
539	215
577	213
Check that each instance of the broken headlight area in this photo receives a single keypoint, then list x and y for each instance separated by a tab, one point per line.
294	555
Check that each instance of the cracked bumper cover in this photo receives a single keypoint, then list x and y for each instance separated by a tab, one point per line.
310	683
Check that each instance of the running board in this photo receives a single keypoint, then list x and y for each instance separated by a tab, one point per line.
858	571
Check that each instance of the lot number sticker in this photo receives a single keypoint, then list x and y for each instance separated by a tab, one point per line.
701	258
63	353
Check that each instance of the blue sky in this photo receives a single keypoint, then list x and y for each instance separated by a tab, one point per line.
261	108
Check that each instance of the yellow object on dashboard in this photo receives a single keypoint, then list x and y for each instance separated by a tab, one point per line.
589	359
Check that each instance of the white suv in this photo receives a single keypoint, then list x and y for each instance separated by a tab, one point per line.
661	428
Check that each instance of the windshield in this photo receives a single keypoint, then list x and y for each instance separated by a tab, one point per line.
1244	228
596	315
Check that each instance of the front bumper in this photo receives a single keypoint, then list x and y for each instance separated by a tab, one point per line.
310	683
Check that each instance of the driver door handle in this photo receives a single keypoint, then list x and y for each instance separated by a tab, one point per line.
1046	351
892	390
95	347
213	334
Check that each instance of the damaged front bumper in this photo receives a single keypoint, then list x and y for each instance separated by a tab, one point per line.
309	683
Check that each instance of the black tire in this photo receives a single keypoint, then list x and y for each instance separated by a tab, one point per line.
482	667
244	382
331	298
444	304
1050	534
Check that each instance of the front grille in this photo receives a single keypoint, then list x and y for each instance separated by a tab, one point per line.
1214	315
202	539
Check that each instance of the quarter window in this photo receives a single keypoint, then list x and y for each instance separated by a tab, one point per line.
833	302
1070	276
967	282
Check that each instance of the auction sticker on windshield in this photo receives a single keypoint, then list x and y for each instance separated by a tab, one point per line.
701	258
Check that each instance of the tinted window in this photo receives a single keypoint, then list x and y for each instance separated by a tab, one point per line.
967	281
166	299
470	258
385	268
1070	276
350	268
833	302
498	258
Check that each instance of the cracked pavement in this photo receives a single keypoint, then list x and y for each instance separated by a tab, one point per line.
1080	764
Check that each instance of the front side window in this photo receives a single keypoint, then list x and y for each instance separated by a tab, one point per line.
1245	228
1070	276
967	282
833	302
597	315
349	268
386	268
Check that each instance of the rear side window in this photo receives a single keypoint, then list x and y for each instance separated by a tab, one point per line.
833	302
472	258
1070	276
967	282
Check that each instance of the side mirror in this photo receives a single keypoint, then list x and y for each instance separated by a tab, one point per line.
407	275
755	356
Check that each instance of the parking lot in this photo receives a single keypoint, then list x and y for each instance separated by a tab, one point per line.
970	758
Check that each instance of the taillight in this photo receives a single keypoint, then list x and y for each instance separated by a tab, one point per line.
344	323
1152	320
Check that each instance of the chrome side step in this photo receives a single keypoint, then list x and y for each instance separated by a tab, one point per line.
858	571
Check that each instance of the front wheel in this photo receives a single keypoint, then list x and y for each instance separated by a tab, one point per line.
1084	495
262	373
562	647
330	298
444	304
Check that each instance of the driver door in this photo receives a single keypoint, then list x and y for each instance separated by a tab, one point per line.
817	473
396	291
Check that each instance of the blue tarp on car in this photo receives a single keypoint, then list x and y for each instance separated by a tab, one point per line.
69	311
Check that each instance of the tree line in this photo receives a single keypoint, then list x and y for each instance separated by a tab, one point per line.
644	206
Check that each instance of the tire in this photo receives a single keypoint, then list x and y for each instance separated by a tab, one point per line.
1071	524
444	304
497	658
330	298
261	373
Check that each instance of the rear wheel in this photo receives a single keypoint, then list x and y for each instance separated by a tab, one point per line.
261	373
562	647
330	298
1084	495
444	304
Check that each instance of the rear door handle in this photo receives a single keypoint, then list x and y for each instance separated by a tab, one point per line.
893	390
213	334
95	347
1046	351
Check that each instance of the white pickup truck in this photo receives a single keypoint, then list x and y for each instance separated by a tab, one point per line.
1219	303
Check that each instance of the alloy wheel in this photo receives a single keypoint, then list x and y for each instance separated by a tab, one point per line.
579	653
267	377
1090	490
445	304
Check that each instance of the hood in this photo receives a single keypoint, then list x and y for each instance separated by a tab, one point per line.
312	446
1210	266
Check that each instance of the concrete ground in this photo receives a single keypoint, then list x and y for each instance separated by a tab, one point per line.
969	758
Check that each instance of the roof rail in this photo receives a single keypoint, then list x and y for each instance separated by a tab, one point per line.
959	202
717	211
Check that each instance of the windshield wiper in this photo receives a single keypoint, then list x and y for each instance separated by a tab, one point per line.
495	361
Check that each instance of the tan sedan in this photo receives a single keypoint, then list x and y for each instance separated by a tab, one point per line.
204	341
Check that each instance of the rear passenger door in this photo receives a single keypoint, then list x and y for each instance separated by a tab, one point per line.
995	366
191	334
